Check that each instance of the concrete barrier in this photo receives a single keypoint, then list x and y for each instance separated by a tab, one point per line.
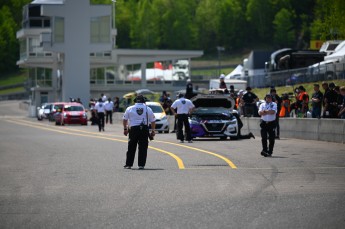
331	130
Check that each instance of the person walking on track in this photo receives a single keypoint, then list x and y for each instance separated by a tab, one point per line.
184	108
136	121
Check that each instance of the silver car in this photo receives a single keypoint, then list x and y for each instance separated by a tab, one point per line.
162	123
43	111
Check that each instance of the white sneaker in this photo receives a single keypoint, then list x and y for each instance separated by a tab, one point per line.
181	141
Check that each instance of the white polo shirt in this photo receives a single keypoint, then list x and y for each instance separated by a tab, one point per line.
136	115
183	105
100	107
109	106
268	106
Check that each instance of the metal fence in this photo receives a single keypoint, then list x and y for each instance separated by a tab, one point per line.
317	72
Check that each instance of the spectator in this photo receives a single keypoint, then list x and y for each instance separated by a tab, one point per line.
189	89
326	89
79	101
285	107
239	102
278	101
116	104
249	99
163	96
222	84
341	113
104	97
166	104
301	104
304	99
331	105
109	107
340	97
316	99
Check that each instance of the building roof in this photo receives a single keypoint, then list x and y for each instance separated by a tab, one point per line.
48	2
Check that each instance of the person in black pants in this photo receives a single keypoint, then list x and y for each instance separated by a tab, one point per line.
184	107
138	117
267	111
99	107
278	101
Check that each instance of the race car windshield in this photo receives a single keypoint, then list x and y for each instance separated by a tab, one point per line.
156	109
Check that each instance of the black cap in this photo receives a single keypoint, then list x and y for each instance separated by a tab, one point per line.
180	95
332	85
301	88
268	95
139	99
248	88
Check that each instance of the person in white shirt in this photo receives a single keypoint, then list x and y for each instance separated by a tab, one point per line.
109	107
267	111
184	108
104	97
99	107
136	121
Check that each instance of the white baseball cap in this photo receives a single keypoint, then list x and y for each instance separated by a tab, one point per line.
222	76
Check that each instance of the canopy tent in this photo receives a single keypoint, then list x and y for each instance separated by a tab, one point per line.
236	73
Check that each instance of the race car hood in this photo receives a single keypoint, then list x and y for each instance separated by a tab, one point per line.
213	101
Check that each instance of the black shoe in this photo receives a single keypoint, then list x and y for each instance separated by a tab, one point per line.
173	131
264	153
127	167
141	167
269	154
251	135
277	137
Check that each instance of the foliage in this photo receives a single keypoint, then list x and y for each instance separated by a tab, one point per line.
201	24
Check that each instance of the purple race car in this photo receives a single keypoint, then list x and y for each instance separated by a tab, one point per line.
213	117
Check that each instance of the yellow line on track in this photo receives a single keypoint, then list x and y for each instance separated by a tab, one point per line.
229	162
24	123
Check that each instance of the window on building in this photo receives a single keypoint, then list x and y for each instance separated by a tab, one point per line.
22	47
34	46
41	77
110	75
59	30
97	76
100	29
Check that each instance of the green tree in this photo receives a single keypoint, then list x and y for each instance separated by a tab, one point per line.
9	47
284	32
207	23
329	20
260	14
175	24
232	23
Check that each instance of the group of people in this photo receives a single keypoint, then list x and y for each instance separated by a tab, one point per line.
326	104
102	111
138	117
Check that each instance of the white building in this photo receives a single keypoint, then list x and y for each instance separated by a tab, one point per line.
68	47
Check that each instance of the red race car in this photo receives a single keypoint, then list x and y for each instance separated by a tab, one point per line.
71	113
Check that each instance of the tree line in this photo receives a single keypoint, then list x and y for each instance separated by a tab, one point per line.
236	25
